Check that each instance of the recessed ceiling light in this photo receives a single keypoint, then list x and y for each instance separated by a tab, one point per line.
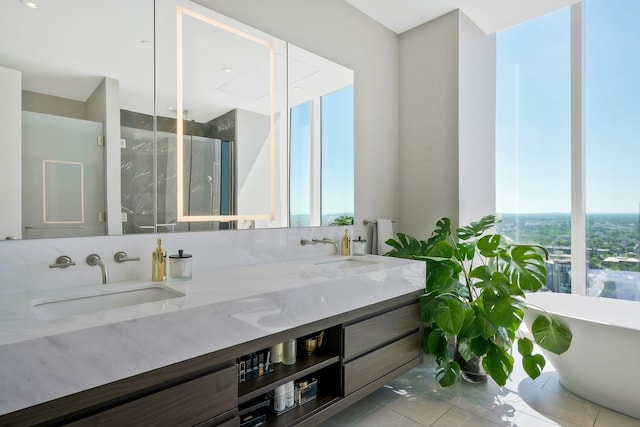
30	4
296	88
227	69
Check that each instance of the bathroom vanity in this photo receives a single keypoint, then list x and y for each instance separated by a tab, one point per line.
175	361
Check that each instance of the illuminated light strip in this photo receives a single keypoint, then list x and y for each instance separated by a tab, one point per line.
181	217
44	192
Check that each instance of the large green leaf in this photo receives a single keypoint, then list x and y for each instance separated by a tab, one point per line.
489	246
447	373
469	317
480	346
551	334
481	272
527	268
533	365
525	346
466	251
440	278
437	342
498	284
406	246
476	229
442	250
504	338
448	313
464	348
425	303
498	364
441	232
486	327
506	312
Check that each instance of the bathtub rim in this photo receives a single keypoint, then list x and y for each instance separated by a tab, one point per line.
544	311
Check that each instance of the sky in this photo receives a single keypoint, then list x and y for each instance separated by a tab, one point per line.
533	111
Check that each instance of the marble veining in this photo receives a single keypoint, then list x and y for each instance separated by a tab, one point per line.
43	360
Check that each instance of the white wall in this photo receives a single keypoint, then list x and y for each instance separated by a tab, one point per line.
11	149
447	124
429	124
477	118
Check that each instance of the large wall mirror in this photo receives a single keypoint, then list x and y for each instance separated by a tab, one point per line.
106	129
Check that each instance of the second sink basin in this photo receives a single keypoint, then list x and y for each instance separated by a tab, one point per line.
83	302
346	263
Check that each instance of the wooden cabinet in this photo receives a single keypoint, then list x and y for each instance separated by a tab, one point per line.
362	349
380	345
368	368
365	335
185	404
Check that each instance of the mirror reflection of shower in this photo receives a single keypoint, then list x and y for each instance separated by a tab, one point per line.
208	183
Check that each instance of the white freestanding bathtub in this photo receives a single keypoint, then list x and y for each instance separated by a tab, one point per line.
603	363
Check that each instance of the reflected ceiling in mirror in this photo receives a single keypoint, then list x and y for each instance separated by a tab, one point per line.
235	97
75	69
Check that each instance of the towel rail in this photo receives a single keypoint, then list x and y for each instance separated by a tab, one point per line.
372	221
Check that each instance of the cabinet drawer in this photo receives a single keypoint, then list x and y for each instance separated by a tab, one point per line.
186	404
372	366
219	421
371	333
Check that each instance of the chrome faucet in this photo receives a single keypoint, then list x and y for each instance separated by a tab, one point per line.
335	243
94	259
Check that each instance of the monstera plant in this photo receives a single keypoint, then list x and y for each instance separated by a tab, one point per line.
475	298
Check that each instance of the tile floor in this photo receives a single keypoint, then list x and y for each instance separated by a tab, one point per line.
415	399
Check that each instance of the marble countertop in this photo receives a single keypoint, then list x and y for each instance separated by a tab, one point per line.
41	360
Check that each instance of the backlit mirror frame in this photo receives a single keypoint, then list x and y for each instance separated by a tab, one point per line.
181	216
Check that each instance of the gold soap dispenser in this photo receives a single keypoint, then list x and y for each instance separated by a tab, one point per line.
346	244
159	263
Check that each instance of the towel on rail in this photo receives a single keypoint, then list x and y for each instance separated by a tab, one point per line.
382	231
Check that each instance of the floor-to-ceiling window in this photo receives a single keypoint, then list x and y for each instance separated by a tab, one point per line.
534	130
533	138
612	146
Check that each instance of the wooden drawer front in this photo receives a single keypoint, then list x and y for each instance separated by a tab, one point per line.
231	417
371	333
372	366
186	404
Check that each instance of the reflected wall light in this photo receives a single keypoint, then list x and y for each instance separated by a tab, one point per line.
181	217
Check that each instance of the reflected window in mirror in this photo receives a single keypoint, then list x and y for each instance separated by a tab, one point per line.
321	190
300	188
337	157
321	163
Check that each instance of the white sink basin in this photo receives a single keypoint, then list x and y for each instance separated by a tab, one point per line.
347	263
83	302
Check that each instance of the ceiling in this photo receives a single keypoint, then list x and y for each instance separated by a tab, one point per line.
490	15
